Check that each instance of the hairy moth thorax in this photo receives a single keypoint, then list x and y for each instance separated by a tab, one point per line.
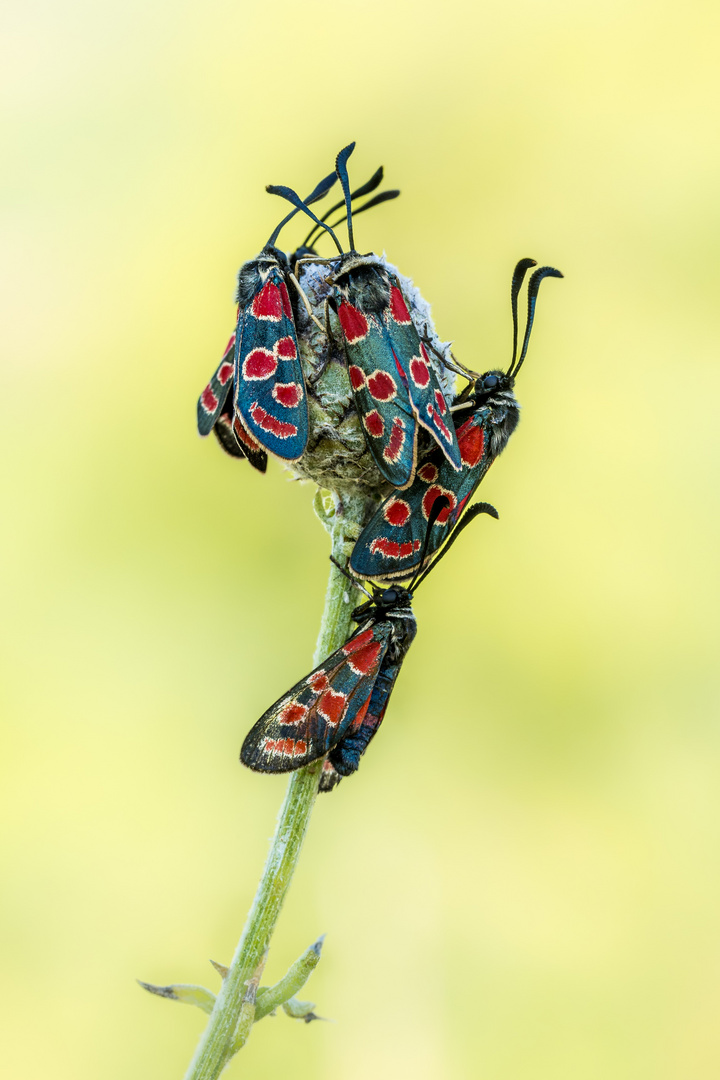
494	391
253	273
366	276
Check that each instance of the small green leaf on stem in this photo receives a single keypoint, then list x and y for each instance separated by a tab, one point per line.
220	968
184	992
270	997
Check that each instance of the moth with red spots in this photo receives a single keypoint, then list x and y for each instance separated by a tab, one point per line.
256	400
338	708
260	369
389	545
394	384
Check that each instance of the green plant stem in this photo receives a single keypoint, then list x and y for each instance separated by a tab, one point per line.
213	1051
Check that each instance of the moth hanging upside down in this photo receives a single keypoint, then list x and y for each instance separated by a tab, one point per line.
337	708
485	416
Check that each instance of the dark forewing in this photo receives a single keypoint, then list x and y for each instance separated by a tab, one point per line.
315	715
381	394
212	400
422	382
390	544
269	386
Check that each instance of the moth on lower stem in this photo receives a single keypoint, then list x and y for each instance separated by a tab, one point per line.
338	708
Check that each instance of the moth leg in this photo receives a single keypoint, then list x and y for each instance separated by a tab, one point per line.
453	364
305	301
320	368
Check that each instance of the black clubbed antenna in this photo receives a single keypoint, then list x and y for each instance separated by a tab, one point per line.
517	279
294	198
365	189
468	516
533	286
341	169
316	193
384	196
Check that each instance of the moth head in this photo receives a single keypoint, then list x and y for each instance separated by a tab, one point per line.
255	272
493	386
393	597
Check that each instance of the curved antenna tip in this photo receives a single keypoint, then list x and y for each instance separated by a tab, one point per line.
345	152
486	508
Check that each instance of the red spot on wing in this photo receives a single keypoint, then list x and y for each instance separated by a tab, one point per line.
244	436
293	713
374	423
429	498
382	545
382	386
281	747
440	402
439	423
471	440
419	372
397	439
259	364
285	349
318	681
400	369
354	324
230	345
208	400
357	642
397	512
224	373
398	307
300	748
331	706
268	303
428	473
287	394
360	715
286	306
390	549
365	659
266	422
357	377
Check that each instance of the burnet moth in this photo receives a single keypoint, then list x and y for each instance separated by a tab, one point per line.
390	544
338	708
264	374
393	381
260	285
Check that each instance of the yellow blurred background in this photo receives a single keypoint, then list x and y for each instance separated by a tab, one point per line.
523	882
